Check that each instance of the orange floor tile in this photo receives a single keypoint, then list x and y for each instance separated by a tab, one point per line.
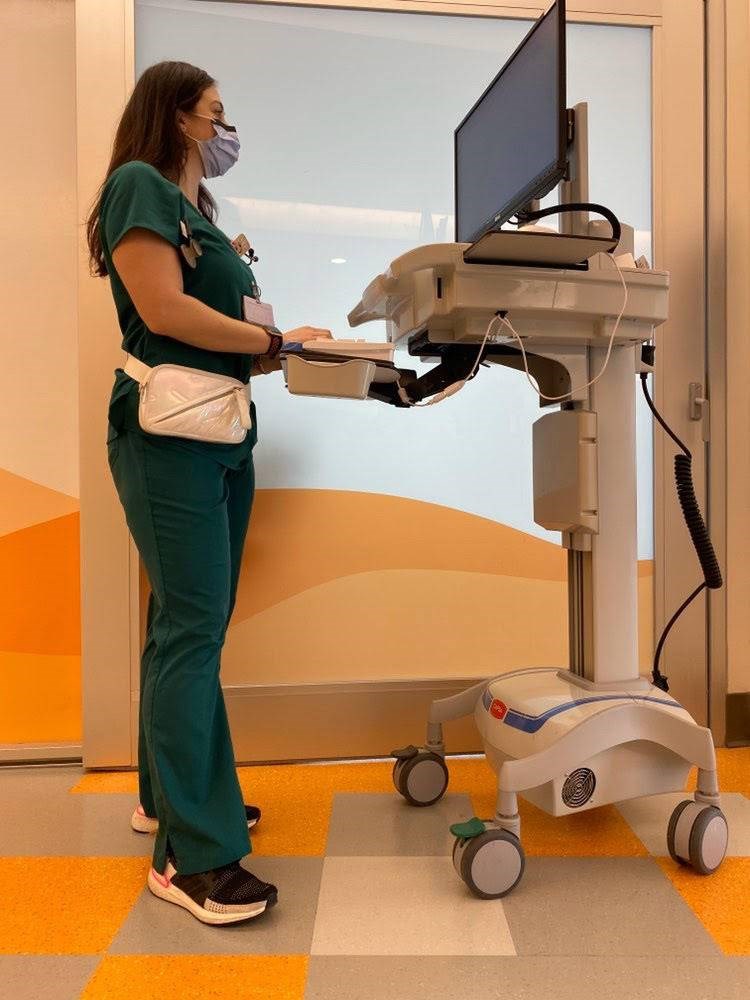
734	770
721	901
199	977
66	905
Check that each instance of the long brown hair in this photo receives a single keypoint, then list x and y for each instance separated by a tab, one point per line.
148	131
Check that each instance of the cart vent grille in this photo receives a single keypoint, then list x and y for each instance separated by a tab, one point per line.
579	787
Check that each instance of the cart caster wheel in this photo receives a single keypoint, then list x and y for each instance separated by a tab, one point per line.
697	836
491	864
420	776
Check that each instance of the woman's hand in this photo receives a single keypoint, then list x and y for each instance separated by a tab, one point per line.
304	333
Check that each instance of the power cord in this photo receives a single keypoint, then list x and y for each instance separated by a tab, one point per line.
501	316
699	536
455	386
524	217
580	388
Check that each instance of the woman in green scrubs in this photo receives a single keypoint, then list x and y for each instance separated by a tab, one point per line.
178	285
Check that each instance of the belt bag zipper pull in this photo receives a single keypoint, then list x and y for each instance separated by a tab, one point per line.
206	398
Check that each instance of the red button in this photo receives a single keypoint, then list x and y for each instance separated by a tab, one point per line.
498	709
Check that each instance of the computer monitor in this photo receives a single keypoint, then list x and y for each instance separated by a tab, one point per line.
512	146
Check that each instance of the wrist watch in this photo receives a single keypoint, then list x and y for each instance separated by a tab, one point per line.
276	341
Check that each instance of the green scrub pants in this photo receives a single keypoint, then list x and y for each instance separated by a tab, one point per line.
188	515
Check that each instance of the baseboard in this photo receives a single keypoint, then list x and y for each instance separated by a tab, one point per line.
35	753
738	719
282	723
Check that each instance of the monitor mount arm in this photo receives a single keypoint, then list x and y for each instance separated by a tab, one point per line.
574	190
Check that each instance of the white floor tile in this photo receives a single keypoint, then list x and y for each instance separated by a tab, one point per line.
404	906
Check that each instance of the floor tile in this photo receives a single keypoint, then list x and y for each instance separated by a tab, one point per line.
384	913
69	906
199	977
32	800
385	824
155	927
92	825
404	906
106	783
524	978
649	818
734	770
41	817
295	813
720	901
601	906
45	977
53	780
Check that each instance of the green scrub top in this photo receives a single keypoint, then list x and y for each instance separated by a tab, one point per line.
136	195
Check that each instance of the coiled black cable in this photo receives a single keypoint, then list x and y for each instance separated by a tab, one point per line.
683	474
712	579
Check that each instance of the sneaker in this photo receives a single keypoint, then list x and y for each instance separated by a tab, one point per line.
142	823
225	895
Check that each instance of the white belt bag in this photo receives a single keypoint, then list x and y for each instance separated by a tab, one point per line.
186	402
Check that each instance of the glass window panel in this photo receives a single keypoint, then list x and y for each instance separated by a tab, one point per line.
346	120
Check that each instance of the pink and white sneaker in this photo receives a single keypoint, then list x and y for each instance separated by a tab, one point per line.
142	823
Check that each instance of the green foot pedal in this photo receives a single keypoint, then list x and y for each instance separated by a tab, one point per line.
468	830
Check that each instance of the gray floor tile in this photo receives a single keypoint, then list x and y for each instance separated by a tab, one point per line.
404	906
602	906
649	818
381	978
50	781
45	977
385	825
158	928
38	821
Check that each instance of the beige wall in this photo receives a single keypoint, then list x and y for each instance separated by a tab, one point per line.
40	635
738	344
38	274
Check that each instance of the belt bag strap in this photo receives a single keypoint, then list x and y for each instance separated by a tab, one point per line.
136	369
141	373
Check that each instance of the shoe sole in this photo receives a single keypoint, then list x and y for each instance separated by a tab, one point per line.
143	824
172	894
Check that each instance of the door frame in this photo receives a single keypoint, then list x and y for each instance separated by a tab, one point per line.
728	349
112	607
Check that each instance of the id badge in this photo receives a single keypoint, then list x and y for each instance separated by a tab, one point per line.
241	244
259	313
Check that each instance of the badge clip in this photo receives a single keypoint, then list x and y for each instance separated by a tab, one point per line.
189	247
242	246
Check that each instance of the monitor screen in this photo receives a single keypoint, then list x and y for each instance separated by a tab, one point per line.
511	147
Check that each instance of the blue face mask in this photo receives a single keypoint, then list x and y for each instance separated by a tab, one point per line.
220	152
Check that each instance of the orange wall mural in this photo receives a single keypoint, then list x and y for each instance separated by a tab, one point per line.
339	586
40	670
40	632
421	591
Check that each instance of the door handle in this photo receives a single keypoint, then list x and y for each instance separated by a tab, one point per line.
699	408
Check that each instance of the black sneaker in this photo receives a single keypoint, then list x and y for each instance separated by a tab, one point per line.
225	895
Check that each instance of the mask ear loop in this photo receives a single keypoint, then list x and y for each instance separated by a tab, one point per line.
185	131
